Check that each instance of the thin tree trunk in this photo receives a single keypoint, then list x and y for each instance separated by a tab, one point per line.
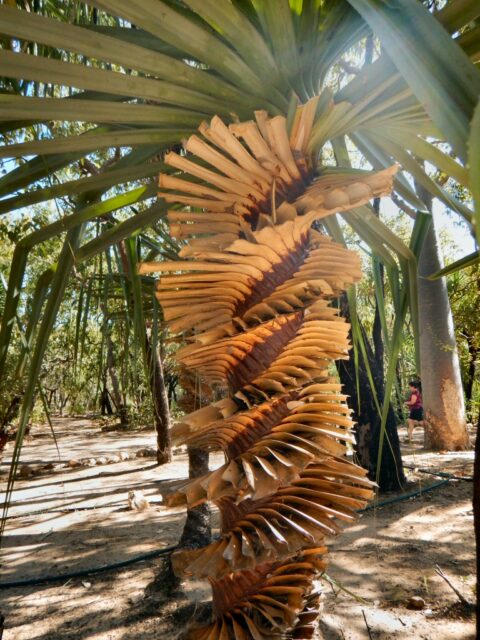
116	394
10	414
105	404
197	531
197	528
377	338
391	476
442	391
160	404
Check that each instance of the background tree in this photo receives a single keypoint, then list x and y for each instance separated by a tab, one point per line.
442	391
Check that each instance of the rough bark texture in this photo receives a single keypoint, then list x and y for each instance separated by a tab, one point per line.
444	406
160	404
368	421
197	531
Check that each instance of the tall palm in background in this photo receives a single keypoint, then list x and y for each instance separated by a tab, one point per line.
144	74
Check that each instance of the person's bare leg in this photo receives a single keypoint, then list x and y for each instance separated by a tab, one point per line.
410	426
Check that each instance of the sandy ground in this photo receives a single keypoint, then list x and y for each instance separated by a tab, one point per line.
375	566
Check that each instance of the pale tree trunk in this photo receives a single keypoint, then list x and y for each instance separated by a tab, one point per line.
442	391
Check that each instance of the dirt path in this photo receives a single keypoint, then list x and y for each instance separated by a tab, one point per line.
389	556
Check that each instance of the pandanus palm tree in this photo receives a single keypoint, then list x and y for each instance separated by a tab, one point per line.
271	168
252	299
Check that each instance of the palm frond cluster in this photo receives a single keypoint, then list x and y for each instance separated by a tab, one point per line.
251	294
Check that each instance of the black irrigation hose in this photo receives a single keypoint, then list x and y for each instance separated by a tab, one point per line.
442	474
33	582
166	550
405	496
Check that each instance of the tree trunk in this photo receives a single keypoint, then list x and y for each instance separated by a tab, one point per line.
442	392
105	404
197	528
10	414
116	394
160	404
365	414
377	338
197	531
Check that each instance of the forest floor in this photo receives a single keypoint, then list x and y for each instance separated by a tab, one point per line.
65	518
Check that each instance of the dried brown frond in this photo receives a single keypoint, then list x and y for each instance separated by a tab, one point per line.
281	524
265	602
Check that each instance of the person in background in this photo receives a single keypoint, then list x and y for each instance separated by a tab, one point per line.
415	405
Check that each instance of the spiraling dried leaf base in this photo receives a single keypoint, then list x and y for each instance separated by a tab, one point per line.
252	296
274	600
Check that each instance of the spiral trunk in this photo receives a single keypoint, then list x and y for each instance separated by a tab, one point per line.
251	297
